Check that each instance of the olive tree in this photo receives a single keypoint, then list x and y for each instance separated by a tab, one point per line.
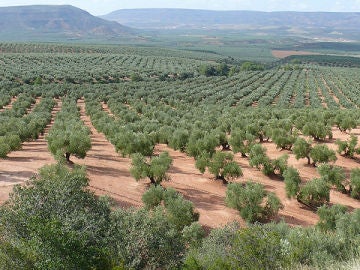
261	161
252	201
179	139
345	121
155	168
334	175
314	193
317	130
179	211
322	154
4	147
200	143
292	181
74	140
302	149
127	143
282	138
348	148
355	183
221	165
241	142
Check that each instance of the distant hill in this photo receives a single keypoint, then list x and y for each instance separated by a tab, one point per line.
43	22
292	22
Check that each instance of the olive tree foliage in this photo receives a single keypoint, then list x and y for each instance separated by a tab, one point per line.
8	143
279	246
180	212
292	182
241	142
157	236
355	183
329	215
213	253
302	149
179	139
317	129
154	168
348	229
128	142
261	161
201	143
69	136
74	139
283	138
223	139
53	222
322	154
334	175
314	193
348	148
4	147
345	121
258	129
257	246
252	201
221	165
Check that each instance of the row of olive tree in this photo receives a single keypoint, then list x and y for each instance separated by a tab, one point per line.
16	129
68	135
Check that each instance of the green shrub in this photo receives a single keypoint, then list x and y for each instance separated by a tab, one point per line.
257	248
329	215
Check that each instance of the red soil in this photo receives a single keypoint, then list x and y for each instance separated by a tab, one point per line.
108	172
283	54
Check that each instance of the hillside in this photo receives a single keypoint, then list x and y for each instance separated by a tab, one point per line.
42	22
298	23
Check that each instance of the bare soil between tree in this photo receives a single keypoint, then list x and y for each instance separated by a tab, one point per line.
284	53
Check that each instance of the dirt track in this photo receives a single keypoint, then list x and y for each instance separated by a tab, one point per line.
108	172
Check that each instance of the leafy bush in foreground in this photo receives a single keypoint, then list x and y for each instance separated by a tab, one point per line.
55	222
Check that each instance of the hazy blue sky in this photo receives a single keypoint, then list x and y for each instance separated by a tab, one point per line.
100	7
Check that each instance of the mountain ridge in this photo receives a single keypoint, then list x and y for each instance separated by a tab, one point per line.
64	21
330	22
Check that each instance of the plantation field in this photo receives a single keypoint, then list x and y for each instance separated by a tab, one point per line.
283	53
140	101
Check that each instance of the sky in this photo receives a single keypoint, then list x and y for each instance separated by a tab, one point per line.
102	7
